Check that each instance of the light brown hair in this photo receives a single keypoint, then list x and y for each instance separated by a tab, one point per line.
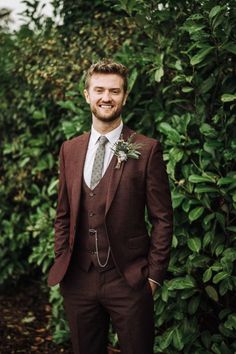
107	66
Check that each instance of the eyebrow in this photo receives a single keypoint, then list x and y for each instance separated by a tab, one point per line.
113	88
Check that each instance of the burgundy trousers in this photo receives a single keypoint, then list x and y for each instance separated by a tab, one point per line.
92	298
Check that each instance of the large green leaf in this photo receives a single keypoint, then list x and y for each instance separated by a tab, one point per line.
227	97
166	339
176	154
177	198
200	179
195	213
214	11
212	293
172	133
208	130
201	55
205	189
219	277
207	275
226	180
181	283
194	244
178	339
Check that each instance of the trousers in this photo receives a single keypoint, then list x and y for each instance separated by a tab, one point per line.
93	298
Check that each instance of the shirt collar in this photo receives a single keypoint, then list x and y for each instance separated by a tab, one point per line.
112	136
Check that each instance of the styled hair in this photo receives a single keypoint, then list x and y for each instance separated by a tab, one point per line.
107	66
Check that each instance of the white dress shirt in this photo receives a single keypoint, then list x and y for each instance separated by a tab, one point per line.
112	137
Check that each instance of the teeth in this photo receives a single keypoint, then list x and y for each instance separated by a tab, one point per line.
105	106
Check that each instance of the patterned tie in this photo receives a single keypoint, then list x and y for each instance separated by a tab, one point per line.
98	162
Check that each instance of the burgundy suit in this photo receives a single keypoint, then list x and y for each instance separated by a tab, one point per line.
135	185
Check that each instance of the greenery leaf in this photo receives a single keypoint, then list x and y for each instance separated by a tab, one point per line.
159	74
195	213
214	11
219	277
194	244
173	134
200	56
227	97
207	275
200	179
226	180
177	339
212	293
181	283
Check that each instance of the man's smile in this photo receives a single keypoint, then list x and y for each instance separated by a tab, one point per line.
106	106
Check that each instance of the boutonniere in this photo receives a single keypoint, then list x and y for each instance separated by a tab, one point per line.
126	149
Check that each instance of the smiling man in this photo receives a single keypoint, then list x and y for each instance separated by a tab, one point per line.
107	264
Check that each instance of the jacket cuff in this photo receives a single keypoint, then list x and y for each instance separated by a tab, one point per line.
157	275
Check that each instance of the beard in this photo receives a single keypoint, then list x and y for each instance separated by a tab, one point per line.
107	118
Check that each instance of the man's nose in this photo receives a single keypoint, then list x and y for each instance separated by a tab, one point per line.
106	96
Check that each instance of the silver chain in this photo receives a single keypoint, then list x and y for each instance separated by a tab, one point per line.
96	247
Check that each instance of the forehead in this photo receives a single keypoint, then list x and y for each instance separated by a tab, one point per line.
106	81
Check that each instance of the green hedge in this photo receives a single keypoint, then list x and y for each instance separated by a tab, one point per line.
181	57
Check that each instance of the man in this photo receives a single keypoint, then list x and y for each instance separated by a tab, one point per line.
106	263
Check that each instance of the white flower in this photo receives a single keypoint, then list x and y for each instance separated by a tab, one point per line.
122	156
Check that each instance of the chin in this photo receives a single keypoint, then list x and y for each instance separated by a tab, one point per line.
107	119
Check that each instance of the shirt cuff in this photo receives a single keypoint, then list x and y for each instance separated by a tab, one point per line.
154	281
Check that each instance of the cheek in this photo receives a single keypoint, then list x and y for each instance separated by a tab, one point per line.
92	100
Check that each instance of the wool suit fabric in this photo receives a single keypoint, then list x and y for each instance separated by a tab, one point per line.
136	186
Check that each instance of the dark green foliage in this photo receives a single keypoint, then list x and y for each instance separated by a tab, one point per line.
181	56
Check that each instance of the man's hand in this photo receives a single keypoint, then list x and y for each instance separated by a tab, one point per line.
153	286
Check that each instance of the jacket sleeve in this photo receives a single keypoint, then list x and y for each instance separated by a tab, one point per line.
62	221
160	213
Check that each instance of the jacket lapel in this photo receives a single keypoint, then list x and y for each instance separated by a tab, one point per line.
116	174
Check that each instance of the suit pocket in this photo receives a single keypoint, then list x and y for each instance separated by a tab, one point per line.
139	242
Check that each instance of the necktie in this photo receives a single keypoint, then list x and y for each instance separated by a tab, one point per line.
98	162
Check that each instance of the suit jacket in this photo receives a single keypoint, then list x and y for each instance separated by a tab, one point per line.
136	187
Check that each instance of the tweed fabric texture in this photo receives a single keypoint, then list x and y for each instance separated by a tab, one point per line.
98	162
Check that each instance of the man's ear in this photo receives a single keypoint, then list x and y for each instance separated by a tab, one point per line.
86	95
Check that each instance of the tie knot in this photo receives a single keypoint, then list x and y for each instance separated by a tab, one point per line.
103	140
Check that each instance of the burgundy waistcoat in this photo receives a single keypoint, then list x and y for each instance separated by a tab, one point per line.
90	221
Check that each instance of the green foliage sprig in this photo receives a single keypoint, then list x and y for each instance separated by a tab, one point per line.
126	149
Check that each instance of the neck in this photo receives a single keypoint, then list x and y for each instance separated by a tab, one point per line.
105	127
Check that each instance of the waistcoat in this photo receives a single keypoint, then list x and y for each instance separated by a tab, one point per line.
91	222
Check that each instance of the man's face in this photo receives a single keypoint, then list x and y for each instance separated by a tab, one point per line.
106	96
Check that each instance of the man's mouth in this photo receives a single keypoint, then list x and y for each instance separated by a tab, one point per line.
106	106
